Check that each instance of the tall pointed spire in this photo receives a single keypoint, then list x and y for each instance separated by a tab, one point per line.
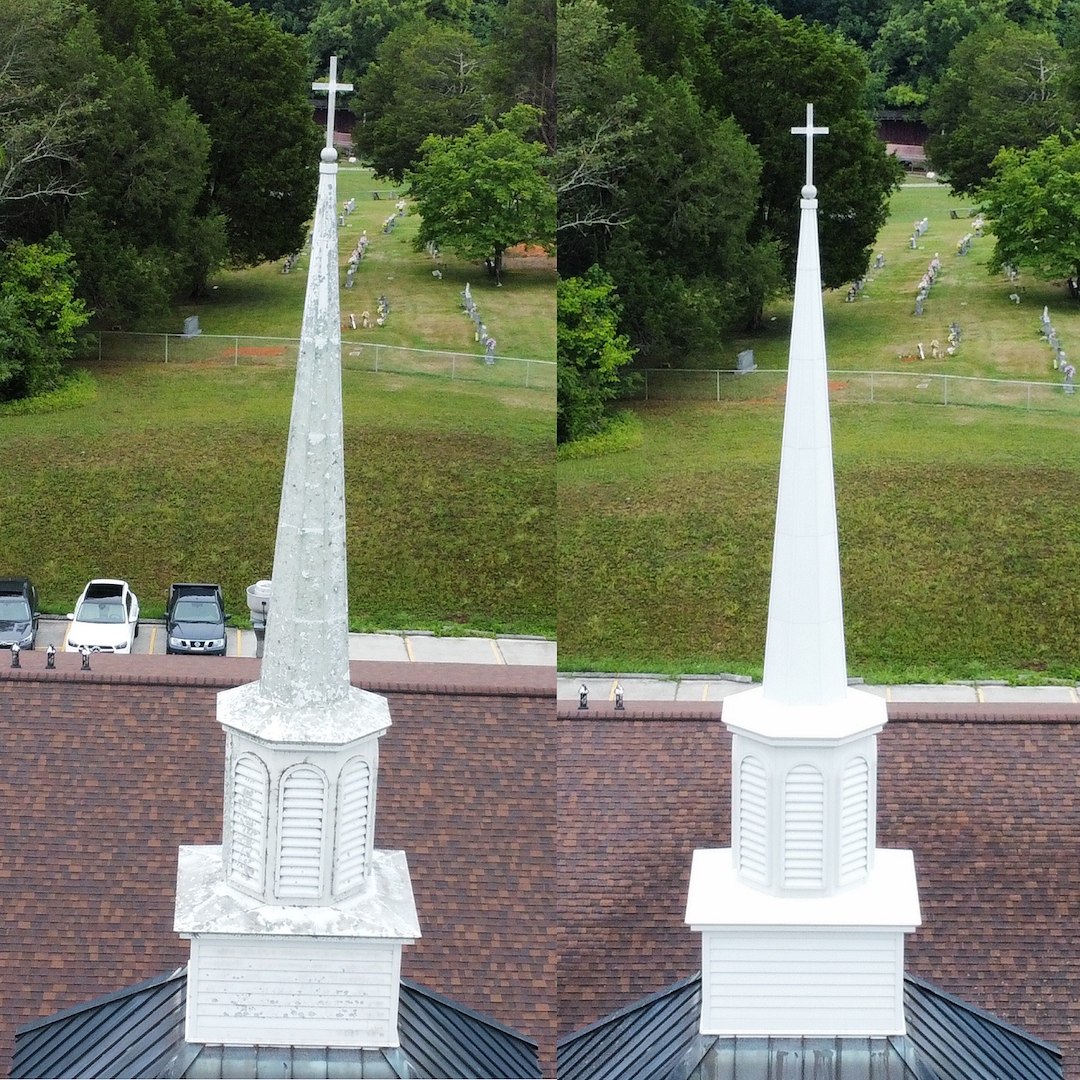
803	918
296	920
306	656
805	661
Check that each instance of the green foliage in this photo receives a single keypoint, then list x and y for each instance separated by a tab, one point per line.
248	83
592	352
138	234
39	315
603	124
1004	87
76	389
620	431
781	65
1033	201
425	81
521	61
485	190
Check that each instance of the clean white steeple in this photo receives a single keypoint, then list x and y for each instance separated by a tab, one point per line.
296	920
803	918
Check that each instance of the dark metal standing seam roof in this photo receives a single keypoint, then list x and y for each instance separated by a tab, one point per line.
139	1032
657	1039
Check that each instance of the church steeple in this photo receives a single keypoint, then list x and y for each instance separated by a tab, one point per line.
803	918
297	921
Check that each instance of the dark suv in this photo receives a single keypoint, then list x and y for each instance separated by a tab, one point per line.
195	619
18	613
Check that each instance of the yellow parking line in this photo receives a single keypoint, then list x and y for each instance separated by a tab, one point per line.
153	639
704	691
67	630
408	647
498	654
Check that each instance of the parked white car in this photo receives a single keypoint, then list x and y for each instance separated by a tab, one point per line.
105	619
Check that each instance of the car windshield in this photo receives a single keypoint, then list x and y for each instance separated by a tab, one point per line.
14	609
101	610
195	610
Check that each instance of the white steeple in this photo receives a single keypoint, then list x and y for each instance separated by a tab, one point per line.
803	919
296	920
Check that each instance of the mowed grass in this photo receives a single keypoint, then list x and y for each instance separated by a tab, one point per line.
959	536
173	472
425	311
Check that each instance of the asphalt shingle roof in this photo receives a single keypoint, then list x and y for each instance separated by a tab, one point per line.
103	778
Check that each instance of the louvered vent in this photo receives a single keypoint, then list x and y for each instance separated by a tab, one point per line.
354	796
855	821
804	828
248	816
300	837
752	820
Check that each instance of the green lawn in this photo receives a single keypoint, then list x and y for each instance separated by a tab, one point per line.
173	472
960	542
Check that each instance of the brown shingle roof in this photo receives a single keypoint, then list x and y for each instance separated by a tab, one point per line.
985	795
103	775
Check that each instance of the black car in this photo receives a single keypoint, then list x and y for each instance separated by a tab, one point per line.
18	613
195	619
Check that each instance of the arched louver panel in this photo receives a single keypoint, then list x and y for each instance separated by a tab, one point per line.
752	819
248	820
300	833
855	821
804	828
354	801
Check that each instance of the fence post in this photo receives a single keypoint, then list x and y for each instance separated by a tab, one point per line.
871	388
646	384
717	384
453	365
236	352
528	368
1029	397
946	389
377	347
166	348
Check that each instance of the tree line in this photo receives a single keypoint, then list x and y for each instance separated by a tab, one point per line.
146	144
679	180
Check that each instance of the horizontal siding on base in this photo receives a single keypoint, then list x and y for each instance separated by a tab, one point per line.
802	982
298	992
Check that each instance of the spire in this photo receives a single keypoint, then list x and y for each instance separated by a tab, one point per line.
296	919
306	656
805	661
803	918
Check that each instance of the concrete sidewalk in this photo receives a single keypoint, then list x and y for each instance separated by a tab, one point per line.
698	688
407	645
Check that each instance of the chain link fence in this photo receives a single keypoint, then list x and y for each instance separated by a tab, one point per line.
241	351
884	387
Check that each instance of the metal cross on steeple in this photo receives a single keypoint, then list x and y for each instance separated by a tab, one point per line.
809	131
332	87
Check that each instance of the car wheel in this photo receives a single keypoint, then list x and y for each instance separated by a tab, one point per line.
136	634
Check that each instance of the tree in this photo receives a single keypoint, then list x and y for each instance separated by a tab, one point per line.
425	81
1033	202
521	60
914	44
486	190
764	71
591	352
602	126
685	263
1004	86
248	83
41	122
138	234
39	314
